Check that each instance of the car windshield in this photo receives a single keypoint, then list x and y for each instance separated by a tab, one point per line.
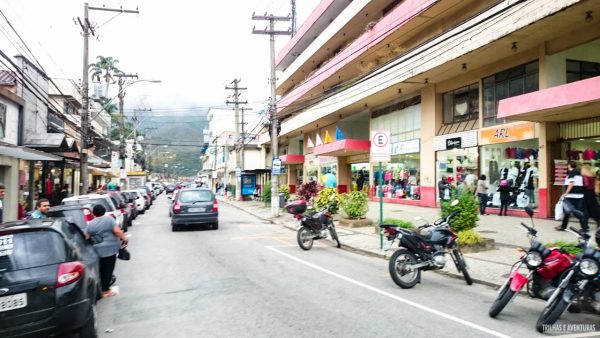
102	201
195	196
24	250
74	216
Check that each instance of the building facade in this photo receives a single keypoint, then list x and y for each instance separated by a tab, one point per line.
465	88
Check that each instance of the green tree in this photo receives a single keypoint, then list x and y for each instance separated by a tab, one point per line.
104	69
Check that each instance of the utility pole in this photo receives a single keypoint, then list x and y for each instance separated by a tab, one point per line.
294	18
121	95
85	123
243	124
236	102
273	103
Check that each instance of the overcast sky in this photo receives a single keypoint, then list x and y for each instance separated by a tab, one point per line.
194	47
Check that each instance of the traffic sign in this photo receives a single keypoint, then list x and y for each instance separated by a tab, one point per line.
238	172
381	146
276	166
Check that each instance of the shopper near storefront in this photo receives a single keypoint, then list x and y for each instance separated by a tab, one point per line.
444	189
41	209
481	191
574	195
589	193
504	189
360	181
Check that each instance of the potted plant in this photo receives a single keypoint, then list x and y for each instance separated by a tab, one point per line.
354	206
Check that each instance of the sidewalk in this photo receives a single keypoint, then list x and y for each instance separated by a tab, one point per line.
488	267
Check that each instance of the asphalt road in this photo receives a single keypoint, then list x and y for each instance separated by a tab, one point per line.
250	279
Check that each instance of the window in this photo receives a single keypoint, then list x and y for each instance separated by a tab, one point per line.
511	82
29	249
2	120
581	70
461	104
195	196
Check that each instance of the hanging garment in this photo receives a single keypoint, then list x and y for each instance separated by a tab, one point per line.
588	154
494	172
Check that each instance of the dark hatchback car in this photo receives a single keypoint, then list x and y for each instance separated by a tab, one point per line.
80	215
49	281
195	206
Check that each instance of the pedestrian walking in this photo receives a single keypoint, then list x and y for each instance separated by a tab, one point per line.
444	189
482	193
41	209
504	188
574	195
589	193
106	227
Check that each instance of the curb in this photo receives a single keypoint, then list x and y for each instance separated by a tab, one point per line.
364	252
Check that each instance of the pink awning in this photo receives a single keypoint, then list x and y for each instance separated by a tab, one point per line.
346	147
292	159
573	101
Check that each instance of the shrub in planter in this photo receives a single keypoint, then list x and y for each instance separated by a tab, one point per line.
355	204
285	189
469	237
468	208
322	200
266	193
399	222
308	190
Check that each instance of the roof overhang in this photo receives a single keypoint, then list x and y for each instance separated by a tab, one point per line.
53	142
346	147
28	154
573	101
292	159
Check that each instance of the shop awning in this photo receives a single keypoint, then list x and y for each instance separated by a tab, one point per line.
102	172
28	154
53	142
573	101
292	159
345	147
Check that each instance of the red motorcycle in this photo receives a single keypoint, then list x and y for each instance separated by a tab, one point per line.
545	265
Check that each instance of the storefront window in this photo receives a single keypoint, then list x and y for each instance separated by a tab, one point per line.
511	82
312	170
401	177
459	166
517	163
329	175
580	70
461	104
360	176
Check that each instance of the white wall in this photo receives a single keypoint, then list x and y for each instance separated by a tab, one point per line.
557	63
36	111
11	130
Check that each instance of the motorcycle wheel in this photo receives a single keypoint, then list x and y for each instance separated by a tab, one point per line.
305	238
502	300
461	266
403	280
334	236
551	312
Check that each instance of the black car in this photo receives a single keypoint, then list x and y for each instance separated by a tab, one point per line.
170	188
49	280
195	206
80	215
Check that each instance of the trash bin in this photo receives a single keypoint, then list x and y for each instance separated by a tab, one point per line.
281	200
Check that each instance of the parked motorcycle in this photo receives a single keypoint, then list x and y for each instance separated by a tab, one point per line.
425	251
580	287
313	226
545	265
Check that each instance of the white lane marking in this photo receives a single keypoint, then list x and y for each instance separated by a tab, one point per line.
389	295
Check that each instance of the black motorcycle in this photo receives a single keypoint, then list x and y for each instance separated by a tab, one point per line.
313	226
425	251
579	288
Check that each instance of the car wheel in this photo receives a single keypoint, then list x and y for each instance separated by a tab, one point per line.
174	227
89	329
215	226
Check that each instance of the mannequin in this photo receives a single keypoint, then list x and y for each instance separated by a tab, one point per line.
527	184
504	171
513	172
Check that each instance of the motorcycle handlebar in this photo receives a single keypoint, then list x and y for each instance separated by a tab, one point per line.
529	229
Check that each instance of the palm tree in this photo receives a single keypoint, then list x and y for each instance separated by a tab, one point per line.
105	68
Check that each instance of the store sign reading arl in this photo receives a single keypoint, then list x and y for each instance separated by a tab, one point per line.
453	143
501	133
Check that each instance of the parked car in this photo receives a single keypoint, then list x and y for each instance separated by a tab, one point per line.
79	215
130	200
104	200
172	199
195	206
50	280
146	196
122	205
140	202
170	188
